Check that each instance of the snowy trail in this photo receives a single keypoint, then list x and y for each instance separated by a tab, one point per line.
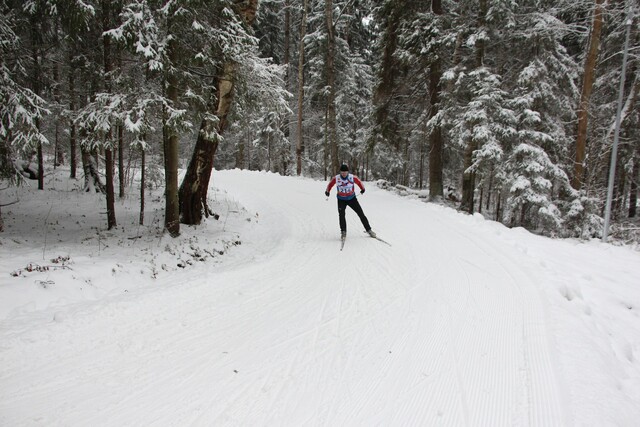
443	328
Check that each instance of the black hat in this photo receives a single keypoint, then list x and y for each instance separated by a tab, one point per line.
344	168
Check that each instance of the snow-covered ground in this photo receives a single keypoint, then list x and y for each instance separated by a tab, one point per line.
259	319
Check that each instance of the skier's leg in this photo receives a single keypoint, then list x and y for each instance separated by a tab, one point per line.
342	206
355	205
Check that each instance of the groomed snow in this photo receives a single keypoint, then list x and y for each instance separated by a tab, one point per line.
259	319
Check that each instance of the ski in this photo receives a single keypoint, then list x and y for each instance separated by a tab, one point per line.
383	241
379	239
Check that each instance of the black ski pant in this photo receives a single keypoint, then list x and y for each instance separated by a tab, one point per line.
353	204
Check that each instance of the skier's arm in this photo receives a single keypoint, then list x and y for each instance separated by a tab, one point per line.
359	183
330	185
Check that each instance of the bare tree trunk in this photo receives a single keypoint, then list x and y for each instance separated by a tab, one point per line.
435	138
108	66
36	43
170	147
300	145
490	188
111	210
143	166
59	151
91	175
421	166
331	82
633	191
40	162
72	131
286	124
469	177
121	177
587	86
195	184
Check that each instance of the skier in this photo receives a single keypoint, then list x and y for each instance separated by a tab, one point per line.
347	197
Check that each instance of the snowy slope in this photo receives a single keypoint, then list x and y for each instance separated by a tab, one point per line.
460	322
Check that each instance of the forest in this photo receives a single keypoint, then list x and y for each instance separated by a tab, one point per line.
514	109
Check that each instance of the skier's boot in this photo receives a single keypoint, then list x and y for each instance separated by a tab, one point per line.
343	234
371	233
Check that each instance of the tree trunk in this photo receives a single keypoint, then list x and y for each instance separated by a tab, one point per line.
108	154
111	210
585	96
40	161
142	180
331	82
59	151
72	131
36	43
121	177
633	191
435	138
469	177
170	147
286	124
421	153
300	144
195	184
91	175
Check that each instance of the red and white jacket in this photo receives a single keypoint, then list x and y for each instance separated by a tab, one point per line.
345	186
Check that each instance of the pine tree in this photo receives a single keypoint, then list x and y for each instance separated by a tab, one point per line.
21	109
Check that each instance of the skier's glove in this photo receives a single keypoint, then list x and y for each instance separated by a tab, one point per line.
326	193
362	191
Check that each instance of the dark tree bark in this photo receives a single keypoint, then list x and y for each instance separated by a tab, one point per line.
72	126
143	167
386	127
55	89
436	143
300	144
195	184
36	43
331	82
108	66
585	96
121	178
633	191
171	152
469	177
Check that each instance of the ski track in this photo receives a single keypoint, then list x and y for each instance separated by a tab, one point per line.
446	332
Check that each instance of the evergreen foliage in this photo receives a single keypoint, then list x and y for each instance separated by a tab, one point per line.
496	83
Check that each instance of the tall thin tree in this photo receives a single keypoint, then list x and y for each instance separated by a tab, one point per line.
300	143
585	96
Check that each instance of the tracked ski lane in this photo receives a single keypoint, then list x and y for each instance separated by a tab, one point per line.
439	329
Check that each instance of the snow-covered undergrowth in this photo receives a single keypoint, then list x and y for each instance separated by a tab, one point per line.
56	248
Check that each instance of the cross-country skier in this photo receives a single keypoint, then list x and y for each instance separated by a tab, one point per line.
345	184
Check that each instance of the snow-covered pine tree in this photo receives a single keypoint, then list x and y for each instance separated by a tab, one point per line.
425	41
21	109
339	79
400	89
539	194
